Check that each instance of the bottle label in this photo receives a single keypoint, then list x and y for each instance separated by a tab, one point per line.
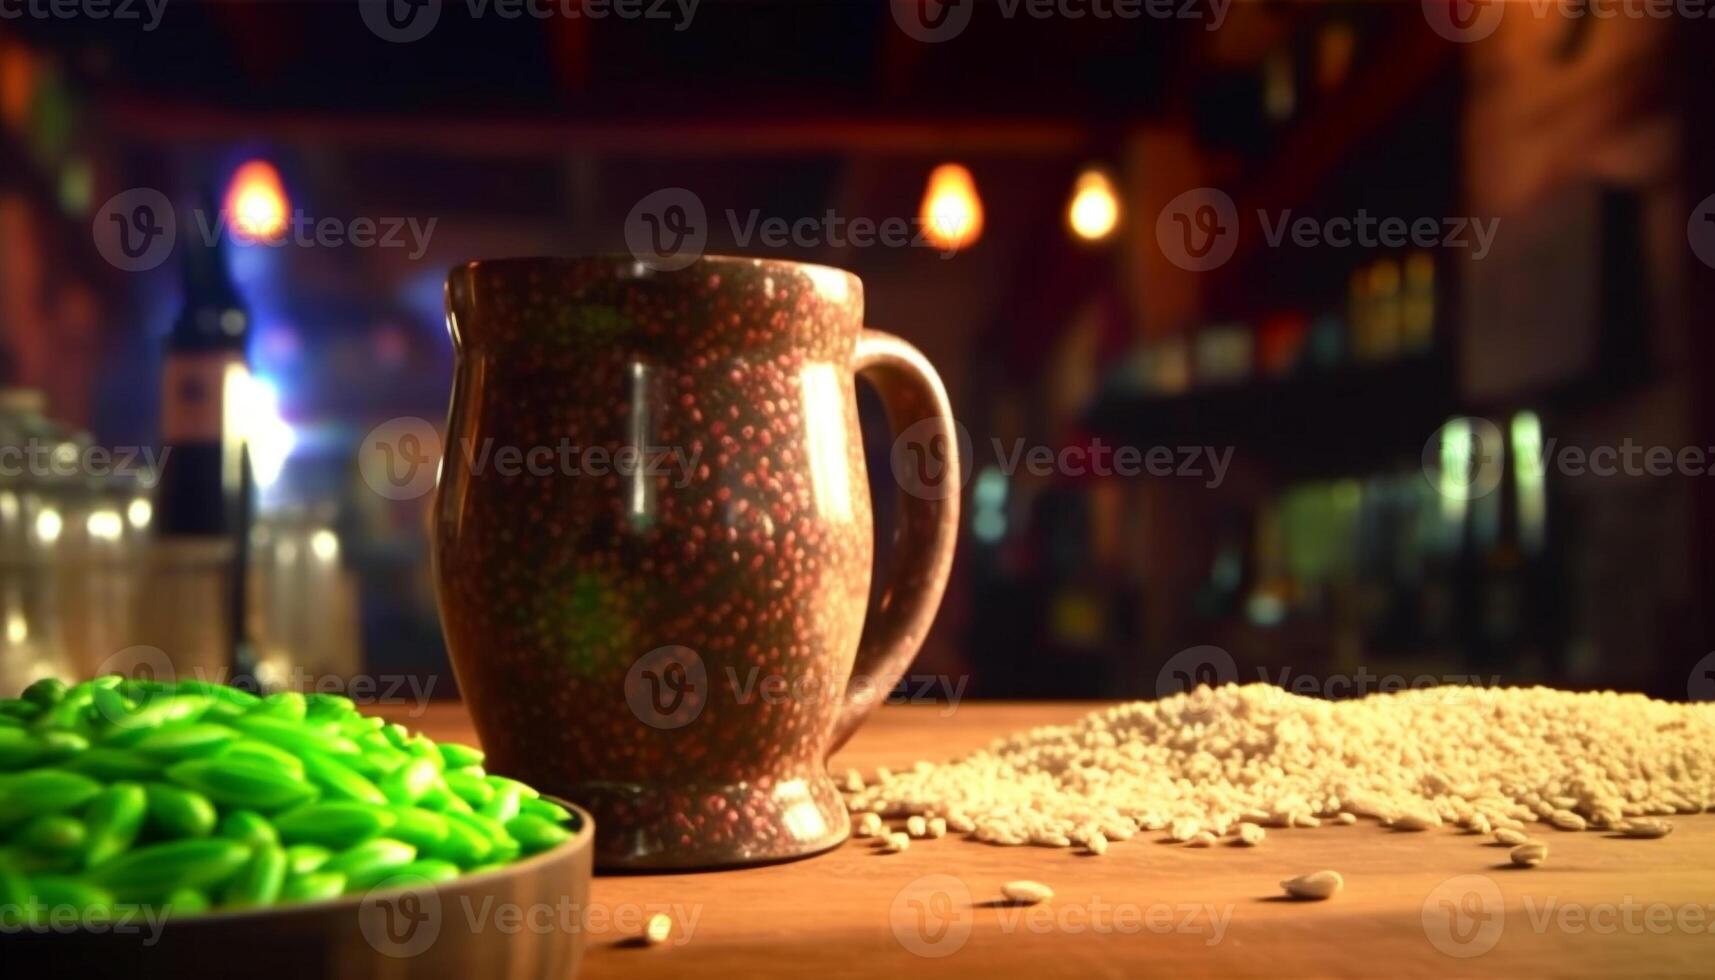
193	393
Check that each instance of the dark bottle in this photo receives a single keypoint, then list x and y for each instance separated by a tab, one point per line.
204	499
204	478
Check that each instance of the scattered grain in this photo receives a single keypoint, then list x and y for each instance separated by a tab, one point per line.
1529	854
1646	828
1316	886
1026	892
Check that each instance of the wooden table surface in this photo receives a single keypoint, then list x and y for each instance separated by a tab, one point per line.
1428	904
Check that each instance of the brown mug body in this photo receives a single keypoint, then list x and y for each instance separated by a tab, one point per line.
653	542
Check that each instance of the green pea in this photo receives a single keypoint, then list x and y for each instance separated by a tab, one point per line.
250	748
54	832
19	748
303	859
339	782
177	812
241	782
371	861
260	880
504	805
39	791
289	705
109	764
424	829
534	834
330	705
14	893
545	809
114	819
317	887
108	705
59	746
163	711
185	741
407	784
186	901
428	869
53	898
525	792
153	872
396	734
294	737
249	827
226	693
20	709
464	846
459	756
471	789
46	692
338	824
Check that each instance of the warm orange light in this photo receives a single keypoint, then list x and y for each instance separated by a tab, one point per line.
952	213
17	84
1094	211
256	201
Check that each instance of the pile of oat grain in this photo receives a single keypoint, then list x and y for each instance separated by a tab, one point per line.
1232	759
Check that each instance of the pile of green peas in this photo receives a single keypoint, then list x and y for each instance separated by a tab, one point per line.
194	796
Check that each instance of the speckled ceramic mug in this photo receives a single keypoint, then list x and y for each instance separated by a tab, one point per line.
653	542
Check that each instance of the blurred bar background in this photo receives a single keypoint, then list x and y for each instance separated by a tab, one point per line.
1355	432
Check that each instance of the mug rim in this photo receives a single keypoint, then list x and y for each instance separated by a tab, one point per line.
637	268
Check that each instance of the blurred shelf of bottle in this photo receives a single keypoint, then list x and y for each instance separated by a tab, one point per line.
1337	422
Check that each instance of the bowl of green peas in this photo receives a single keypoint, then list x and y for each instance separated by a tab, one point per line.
185	829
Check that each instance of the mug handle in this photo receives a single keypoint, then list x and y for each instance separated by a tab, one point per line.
928	526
